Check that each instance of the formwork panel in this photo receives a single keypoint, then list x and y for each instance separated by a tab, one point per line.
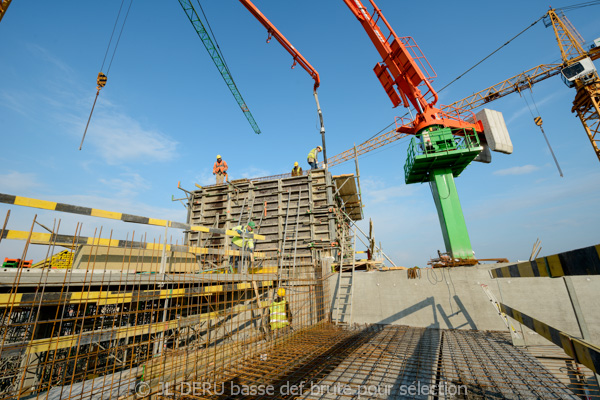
297	214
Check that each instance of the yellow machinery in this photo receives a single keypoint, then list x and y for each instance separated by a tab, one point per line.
3	7
62	260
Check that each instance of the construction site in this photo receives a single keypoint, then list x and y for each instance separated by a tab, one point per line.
276	287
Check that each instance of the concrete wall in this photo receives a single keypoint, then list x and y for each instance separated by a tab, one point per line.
453	298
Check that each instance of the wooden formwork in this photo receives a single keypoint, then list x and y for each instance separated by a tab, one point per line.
299	216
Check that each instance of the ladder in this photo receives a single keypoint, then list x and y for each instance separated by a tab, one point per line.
345	289
289	245
517	339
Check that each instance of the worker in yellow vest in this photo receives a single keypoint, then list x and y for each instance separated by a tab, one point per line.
313	157
296	171
278	311
239	241
244	244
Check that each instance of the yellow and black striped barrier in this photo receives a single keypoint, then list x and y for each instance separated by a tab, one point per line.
585	261
94	212
73	241
581	351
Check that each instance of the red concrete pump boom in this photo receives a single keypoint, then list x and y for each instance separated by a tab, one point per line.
402	74
298	58
274	32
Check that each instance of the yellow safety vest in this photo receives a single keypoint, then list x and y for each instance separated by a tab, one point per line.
278	316
238	241
312	155
297	171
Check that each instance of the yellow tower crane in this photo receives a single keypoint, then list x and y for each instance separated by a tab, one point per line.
577	70
3	7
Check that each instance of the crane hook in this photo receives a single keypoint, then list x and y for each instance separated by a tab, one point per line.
101	81
269	37
294	64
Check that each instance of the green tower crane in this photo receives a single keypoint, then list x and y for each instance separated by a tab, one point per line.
217	58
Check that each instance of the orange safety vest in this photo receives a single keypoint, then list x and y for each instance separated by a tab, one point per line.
220	167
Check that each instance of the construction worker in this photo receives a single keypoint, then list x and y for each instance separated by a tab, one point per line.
243	243
296	171
278	311
220	169
313	157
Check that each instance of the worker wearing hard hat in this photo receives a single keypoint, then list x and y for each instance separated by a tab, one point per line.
243	243
313	157
220	169
296	171
278	311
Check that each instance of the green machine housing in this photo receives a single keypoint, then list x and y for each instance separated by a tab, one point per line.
437	155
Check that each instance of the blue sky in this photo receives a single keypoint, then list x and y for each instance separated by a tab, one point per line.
166	112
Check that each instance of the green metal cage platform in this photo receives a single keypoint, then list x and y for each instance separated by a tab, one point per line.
439	149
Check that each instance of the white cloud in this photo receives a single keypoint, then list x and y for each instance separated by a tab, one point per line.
129	186
205	177
49	57
520	170
388	194
66	101
251	172
15	182
525	110
121	139
17	102
376	191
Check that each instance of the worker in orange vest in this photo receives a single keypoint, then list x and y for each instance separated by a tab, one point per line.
220	169
296	171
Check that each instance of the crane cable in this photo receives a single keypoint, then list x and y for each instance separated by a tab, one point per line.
579	5
566	8
492	53
538	122
101	80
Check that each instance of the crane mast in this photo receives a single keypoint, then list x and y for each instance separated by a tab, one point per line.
568	39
